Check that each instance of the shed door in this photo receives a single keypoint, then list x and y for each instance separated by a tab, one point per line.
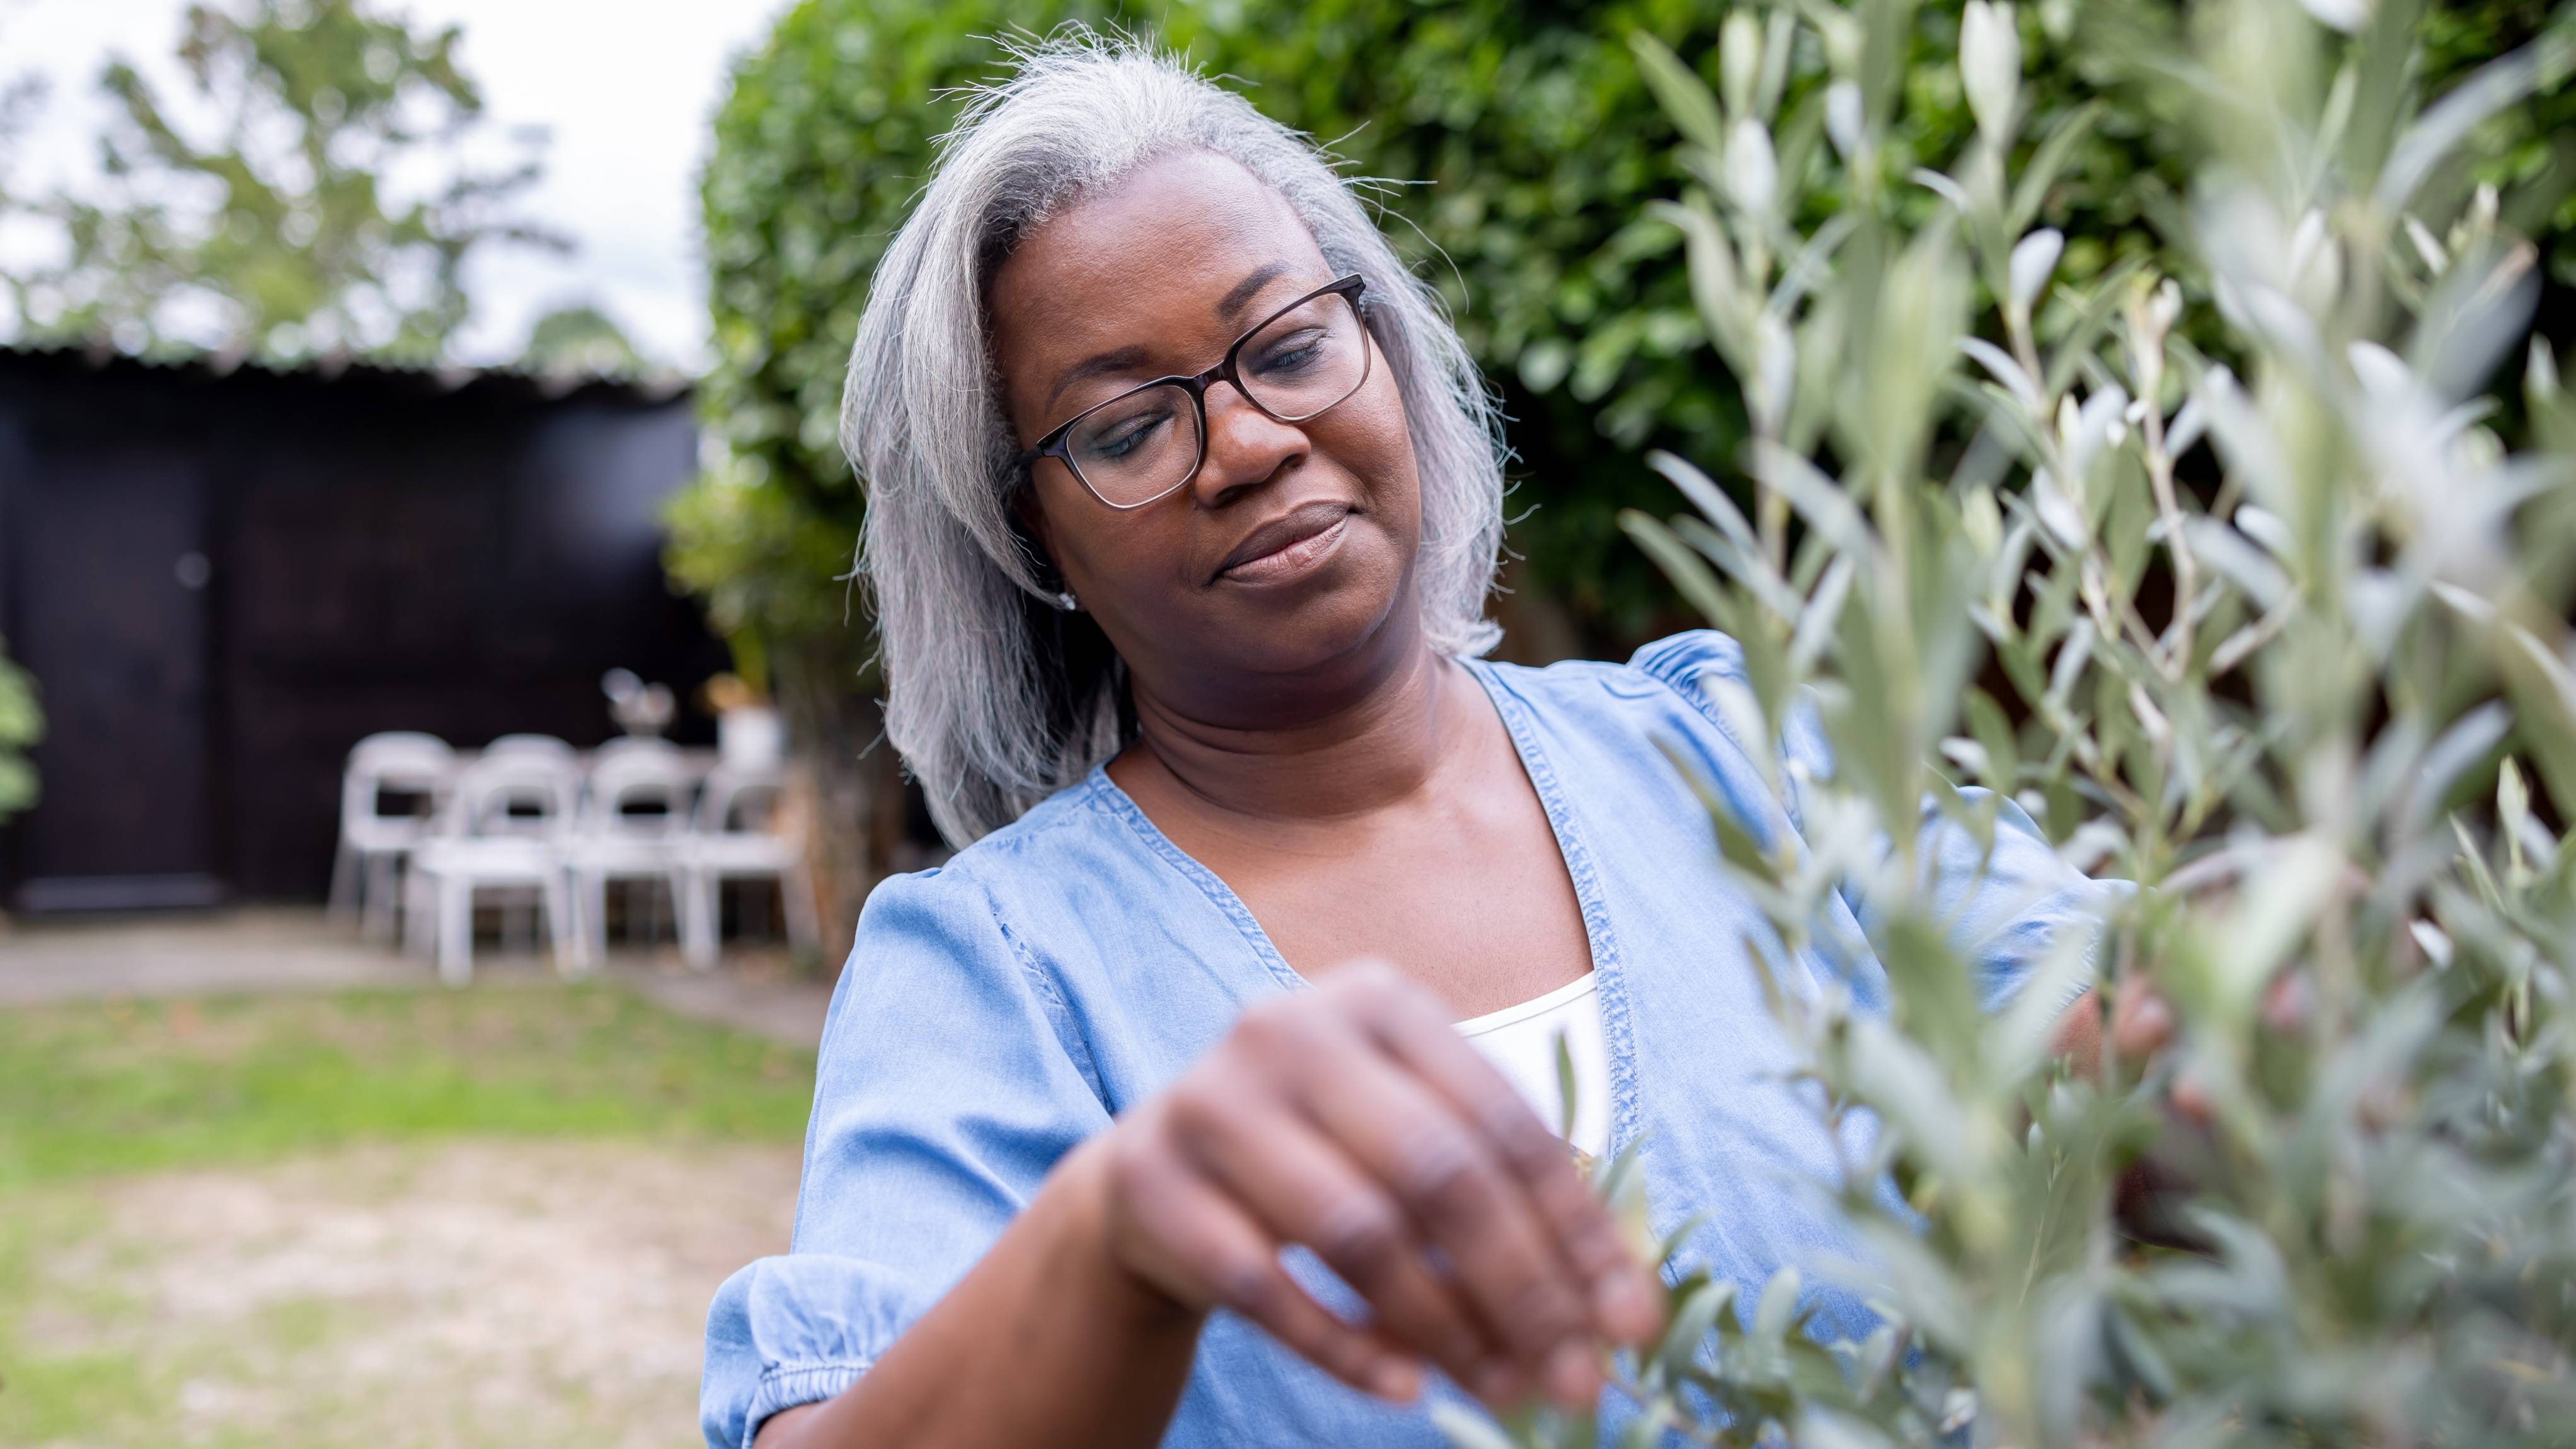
111	578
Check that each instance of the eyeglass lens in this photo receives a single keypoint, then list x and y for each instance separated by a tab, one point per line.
1142	445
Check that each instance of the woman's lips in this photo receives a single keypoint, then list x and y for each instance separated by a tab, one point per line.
1288	546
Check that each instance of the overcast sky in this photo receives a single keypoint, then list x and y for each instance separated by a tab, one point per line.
625	86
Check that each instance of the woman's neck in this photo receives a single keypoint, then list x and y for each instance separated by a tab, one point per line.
1380	745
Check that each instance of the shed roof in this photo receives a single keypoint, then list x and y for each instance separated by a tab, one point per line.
340	371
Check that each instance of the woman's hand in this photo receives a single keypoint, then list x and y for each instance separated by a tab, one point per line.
1353	1120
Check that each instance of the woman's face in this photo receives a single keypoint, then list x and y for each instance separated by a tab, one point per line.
1288	561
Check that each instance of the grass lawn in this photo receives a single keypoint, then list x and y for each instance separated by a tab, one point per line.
434	1217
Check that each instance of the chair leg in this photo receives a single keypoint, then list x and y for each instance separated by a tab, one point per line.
380	875
455	930
701	920
564	921
674	882
590	910
344	883
419	915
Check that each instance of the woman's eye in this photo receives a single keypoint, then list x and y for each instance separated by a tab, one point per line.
1126	435
1295	354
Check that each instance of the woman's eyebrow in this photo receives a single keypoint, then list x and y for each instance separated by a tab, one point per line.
1231	305
1128	359
1124	359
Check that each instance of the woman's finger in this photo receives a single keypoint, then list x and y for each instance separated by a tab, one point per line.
1455	1189
1305	1189
1622	1296
2142	1024
1210	1253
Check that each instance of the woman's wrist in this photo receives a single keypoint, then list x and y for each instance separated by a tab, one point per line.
1088	1342
1085	1244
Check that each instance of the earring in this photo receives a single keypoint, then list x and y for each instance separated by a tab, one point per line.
1067	602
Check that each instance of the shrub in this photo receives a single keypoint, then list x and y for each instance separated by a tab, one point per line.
2280	639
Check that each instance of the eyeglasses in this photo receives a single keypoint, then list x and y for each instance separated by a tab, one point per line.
1149	441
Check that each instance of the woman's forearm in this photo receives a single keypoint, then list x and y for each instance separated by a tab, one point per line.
1046	1340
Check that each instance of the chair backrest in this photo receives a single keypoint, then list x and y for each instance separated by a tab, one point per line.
546	745
515	792
642	789
396	763
739	802
629	746
399	745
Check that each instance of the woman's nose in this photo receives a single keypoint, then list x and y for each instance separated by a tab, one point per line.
1245	446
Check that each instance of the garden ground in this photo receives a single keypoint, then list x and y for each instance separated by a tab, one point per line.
363	1210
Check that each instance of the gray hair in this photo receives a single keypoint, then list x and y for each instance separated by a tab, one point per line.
995	698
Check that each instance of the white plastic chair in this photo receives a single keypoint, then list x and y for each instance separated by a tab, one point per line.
503	829
632	820
730	844
366	873
546	746
645	746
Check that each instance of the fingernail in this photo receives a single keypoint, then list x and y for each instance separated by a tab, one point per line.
1624	1305
1573	1376
2191	1099
1396	1381
2147	1028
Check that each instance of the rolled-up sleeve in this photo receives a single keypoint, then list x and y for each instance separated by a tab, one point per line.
2009	900
951	1079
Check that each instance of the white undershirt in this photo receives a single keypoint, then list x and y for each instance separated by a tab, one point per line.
1521	1041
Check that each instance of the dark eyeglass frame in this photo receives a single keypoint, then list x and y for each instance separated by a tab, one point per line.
1052	445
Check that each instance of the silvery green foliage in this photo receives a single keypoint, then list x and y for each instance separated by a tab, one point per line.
2280	639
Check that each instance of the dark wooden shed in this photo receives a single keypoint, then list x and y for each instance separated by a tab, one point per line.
222	578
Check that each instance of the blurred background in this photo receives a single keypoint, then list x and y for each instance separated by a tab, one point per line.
422	555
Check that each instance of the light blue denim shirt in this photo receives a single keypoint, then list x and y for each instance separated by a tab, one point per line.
998	1010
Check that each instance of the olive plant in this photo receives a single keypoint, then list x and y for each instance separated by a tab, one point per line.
2271	627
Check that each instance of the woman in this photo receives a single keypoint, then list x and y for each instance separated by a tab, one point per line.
1159	1114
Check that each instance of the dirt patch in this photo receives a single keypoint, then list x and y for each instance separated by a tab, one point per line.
473	1293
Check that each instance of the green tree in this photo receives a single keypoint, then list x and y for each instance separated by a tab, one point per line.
21	96
583	340
277	235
